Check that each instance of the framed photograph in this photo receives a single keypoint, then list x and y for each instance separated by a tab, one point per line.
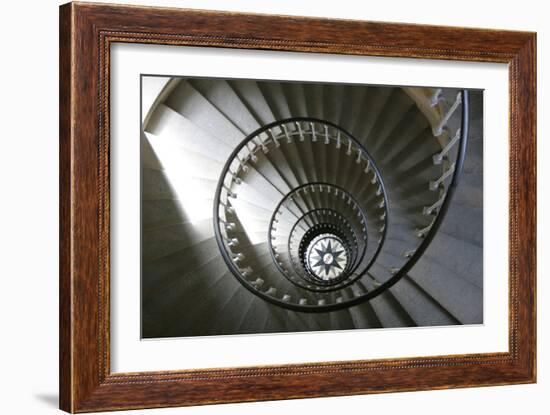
260	207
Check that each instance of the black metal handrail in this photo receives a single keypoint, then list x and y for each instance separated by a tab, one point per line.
297	190
343	137
402	271
442	210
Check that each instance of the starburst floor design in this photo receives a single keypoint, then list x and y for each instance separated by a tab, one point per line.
327	257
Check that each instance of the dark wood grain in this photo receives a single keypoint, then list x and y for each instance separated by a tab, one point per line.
65	138
86	33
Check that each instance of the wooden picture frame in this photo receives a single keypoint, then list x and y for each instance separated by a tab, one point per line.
86	33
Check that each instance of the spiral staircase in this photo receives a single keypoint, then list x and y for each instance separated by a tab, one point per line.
283	207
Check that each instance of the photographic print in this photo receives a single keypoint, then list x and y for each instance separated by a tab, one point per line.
277	206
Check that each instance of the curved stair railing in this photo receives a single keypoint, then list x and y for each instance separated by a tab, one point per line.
352	219
323	237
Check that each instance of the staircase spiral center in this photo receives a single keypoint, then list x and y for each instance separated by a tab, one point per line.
327	257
